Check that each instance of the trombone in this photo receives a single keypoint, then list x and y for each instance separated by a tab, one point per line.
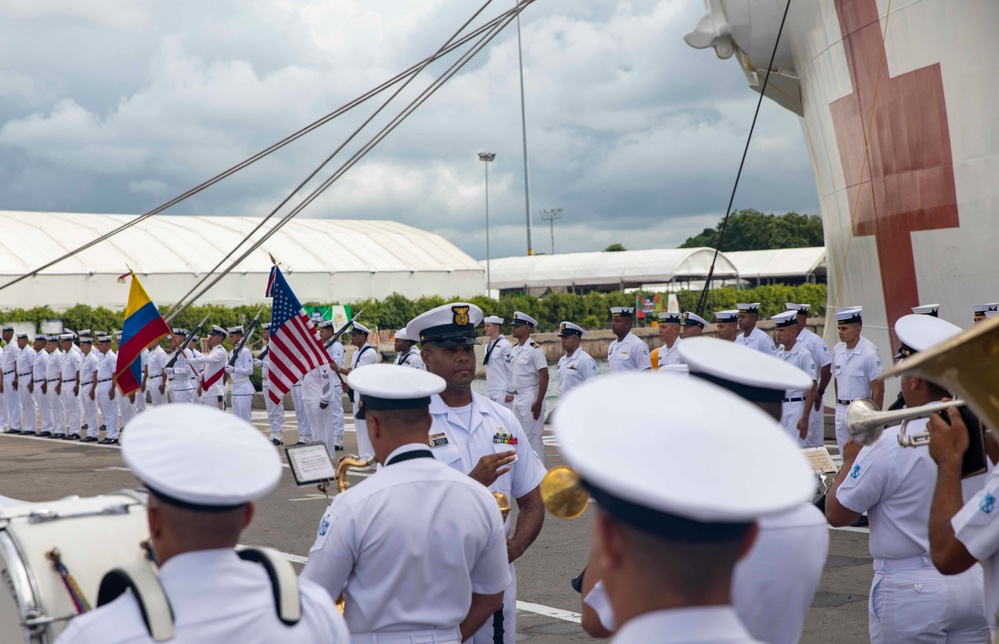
866	423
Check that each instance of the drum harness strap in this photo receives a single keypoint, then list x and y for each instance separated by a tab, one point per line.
81	603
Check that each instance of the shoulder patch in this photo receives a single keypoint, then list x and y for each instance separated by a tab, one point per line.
535	344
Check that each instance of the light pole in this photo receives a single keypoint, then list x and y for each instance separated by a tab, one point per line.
523	125
550	215
486	158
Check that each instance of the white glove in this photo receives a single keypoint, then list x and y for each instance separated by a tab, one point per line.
257	362
168	371
229	368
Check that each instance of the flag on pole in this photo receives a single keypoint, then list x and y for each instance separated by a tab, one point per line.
295	348
143	325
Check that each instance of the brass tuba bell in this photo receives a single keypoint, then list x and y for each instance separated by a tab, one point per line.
563	493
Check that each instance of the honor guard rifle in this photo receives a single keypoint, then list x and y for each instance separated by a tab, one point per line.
187	341
246	336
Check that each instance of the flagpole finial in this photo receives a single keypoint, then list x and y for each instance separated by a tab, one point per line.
273	261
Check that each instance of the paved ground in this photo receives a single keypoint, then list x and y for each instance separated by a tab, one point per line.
37	469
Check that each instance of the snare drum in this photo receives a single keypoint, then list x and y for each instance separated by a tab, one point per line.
92	536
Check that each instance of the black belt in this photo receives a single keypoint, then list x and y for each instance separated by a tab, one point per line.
53	380
24	375
843	402
70	380
799	399
7	373
157	376
106	380
84	384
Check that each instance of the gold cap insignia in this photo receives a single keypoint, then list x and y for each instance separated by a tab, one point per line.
460	315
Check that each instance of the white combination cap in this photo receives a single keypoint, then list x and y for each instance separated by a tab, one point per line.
751	374
693	319
357	327
568	328
982	308
520	318
622	311
236	329
991	314
447	325
388	386
756	470
199	457
927	309
785	319
52	338
325	324
731	315
493	319
24	336
117	334
217	330
918	332
100	338
403	334
179	331
797	308
849	314
670	318
265	325
748	307
68	336
86	339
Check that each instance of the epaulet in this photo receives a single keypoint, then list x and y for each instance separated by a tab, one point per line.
535	344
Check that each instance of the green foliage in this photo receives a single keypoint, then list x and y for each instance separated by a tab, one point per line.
753	230
615	248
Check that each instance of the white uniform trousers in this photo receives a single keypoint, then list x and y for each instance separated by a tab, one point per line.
485	634
364	448
90	410
109	408
437	636
336	416
154	391
184	395
522	403
242	406
790	413
816	427
140	400
4	423
126	408
304	429
842	435
321	422
911	602
28	410
275	415
71	407
44	409
57	410
12	401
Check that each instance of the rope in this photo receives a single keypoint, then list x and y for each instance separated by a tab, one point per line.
395	122
703	300
79	601
266	151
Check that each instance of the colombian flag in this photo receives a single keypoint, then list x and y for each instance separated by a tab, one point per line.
143	325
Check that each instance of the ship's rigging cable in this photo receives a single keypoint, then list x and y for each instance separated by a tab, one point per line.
507	17
703	300
412	71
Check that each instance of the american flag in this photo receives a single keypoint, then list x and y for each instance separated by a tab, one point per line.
295	348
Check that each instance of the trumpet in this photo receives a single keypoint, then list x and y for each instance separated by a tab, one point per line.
866	423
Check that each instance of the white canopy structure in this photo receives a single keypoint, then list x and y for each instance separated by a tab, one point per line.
780	265
606	271
324	260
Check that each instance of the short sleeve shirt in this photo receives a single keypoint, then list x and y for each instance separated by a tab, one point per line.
855	369
975	526
575	369
801	358
629	354
757	340
528	361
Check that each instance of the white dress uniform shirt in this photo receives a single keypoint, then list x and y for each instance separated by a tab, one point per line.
183	381
88	365
212	385
820	353
336	352
53	376
685	626
156	364
69	367
498	367
975	526
409	547
629	354
12	402
364	356
670	355
757	340
574	370
793	406
528	361
25	375
215	597
242	390
774	584
908	597
275	411
106	366
412	359
39	367
853	369
317	390
460	436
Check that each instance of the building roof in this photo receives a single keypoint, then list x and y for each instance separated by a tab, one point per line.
778	263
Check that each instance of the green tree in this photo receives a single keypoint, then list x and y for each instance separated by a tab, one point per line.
615	248
753	230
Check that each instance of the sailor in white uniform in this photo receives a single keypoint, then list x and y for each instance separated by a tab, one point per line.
141	394
200	501
418	551
693	325
856	366
69	386
242	389
528	381
181	376
364	354
53	377
107	391
627	352
88	389
23	383
275	411
39	369
910	601
156	379
336	352
8	364
576	366
407	353
660	524
212	368
796	407
980	310
669	333
727	324
126	404
317	391
497	360
480	438
752	337
823	363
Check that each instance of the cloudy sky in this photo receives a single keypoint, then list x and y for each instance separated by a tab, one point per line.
116	106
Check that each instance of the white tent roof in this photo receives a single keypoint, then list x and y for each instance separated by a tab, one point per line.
624	268
777	263
324	259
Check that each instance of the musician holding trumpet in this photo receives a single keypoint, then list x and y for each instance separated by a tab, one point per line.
909	600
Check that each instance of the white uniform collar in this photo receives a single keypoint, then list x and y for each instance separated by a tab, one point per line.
693	624
408	447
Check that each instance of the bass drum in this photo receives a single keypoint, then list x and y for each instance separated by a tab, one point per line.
91	535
